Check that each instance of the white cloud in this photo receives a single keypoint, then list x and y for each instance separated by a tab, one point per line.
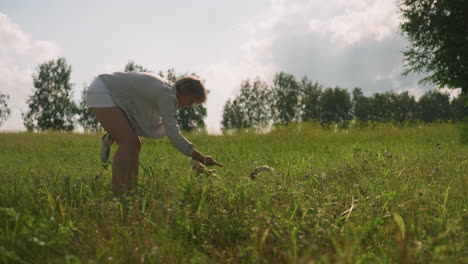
338	42
414	91
360	21
19	55
453	93
12	37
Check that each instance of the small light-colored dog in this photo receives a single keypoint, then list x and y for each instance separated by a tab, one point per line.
259	170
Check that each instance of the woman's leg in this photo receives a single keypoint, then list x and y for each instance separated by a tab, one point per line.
133	179
125	162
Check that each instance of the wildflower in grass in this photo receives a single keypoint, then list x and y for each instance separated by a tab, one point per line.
324	176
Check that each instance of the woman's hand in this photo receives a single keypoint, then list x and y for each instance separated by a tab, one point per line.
205	160
210	161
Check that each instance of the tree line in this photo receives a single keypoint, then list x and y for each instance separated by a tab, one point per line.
259	104
289	100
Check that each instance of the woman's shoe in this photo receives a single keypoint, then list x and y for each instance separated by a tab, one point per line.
106	144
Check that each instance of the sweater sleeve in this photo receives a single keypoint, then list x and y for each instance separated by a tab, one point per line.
167	108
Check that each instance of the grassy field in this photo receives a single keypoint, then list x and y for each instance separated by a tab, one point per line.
373	195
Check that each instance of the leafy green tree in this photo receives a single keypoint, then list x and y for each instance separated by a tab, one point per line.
384	107
132	67
362	106
51	107
255	98
433	106
86	119
437	31
170	75
192	118
459	107
233	117
335	107
4	109
310	98
286	96
189	118
250	108
381	107
403	107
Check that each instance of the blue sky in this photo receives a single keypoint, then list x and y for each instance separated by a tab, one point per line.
350	43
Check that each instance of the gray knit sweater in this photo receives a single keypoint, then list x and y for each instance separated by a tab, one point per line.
150	103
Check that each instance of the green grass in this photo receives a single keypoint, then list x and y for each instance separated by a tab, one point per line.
372	195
